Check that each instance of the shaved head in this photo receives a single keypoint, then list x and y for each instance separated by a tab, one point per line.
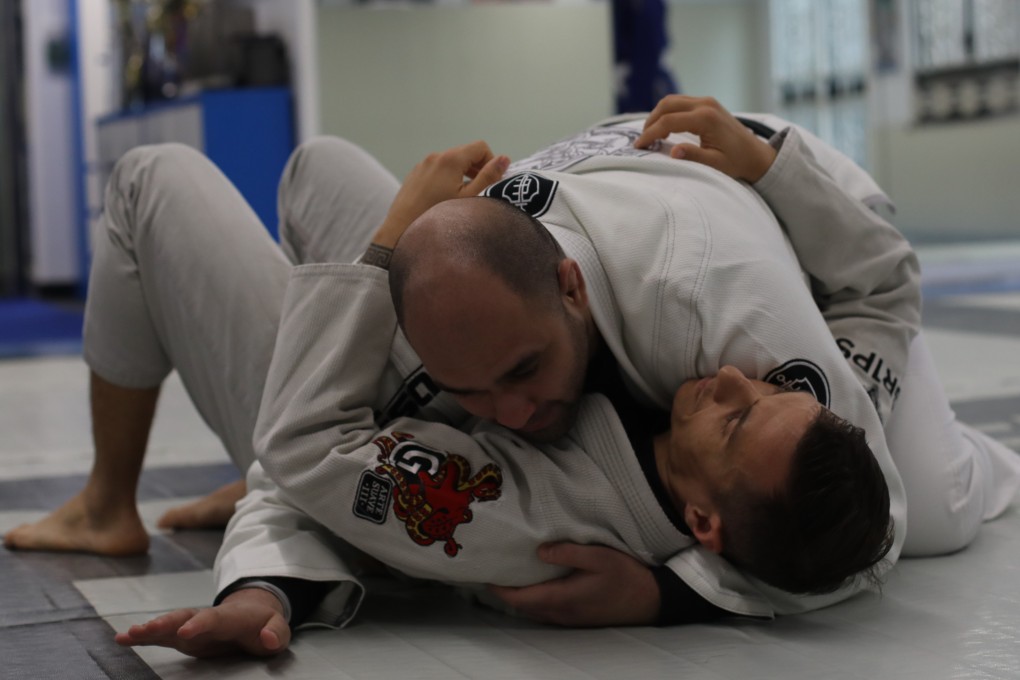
464	238
496	313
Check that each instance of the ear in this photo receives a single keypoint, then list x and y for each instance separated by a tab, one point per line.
571	280
706	525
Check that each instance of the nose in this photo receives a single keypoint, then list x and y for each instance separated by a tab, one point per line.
732	388
512	408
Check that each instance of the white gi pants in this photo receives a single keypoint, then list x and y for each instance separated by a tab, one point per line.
184	276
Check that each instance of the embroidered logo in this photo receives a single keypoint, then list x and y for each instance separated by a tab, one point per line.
874	366
373	497
433	490
803	376
528	191
595	142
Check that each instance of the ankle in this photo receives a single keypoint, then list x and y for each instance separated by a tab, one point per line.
102	502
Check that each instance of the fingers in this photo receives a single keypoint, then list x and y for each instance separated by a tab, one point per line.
476	162
214	631
696	122
679	103
540	602
692	152
156	631
205	621
490	173
472	157
677	113
576	556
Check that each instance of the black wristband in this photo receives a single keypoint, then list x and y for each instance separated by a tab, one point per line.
680	604
377	256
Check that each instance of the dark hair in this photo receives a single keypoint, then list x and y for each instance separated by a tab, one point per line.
513	245
827	528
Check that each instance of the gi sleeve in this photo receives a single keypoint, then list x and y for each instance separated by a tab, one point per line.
864	275
425	498
269	538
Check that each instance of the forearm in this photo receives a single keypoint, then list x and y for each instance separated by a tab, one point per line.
865	276
331	354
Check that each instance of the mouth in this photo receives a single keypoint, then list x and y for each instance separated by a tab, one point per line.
540	420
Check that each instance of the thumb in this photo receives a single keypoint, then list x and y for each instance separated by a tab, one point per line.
691	152
275	635
699	154
490	173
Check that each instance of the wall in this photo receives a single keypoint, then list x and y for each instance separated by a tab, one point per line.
518	75
955	181
403	82
950	182
717	49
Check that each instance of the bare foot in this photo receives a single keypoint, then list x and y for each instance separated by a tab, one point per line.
73	528
211	512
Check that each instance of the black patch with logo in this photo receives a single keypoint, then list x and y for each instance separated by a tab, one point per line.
414	394
803	376
372	500
529	191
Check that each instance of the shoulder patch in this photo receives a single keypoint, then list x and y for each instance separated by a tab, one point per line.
803	376
432	491
528	191
373	497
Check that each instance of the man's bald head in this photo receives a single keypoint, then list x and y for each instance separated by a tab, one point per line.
471	237
496	313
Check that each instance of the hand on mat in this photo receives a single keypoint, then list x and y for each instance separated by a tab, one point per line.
606	588
441	176
247	621
726	144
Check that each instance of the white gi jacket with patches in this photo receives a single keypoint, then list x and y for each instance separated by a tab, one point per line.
433	501
687	271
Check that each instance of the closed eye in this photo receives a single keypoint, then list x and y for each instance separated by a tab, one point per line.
523	370
740	417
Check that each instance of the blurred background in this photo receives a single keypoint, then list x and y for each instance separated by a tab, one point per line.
922	93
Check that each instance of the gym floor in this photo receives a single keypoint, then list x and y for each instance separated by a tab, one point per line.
949	617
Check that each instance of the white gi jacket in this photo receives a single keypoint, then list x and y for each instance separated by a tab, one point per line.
687	271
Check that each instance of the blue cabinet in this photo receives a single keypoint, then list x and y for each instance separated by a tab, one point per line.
248	133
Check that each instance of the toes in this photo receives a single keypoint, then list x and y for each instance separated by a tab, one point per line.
169	520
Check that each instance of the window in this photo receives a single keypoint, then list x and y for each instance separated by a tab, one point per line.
968	58
819	60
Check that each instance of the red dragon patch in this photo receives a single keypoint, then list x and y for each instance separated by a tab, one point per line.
434	490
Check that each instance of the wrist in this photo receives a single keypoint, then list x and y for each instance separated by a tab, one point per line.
765	157
393	227
257	594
